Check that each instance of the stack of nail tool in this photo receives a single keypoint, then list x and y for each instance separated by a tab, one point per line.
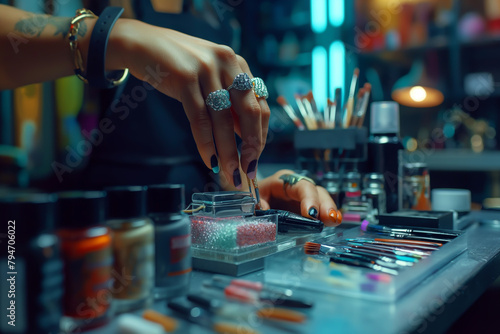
374	262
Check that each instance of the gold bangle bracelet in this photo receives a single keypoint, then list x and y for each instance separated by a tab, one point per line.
73	41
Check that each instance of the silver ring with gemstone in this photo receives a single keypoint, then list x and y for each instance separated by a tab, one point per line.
241	81
218	100
259	88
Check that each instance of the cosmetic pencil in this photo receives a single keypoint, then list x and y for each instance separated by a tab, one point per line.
397	243
251	285
411	236
391	249
201	317
424	232
169	324
290	112
411	242
291	222
247	296
231	310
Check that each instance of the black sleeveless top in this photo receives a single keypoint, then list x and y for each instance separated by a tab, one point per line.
153	143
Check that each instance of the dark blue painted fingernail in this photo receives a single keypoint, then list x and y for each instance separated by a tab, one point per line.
313	212
215	164
251	172
237	178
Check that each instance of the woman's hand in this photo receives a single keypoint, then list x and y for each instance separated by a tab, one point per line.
189	69
303	197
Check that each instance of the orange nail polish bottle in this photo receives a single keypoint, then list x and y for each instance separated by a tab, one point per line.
86	252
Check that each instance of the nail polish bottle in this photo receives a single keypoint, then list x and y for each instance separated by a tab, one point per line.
88	260
133	247
31	279
172	240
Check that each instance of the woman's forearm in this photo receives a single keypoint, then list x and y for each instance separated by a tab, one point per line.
35	48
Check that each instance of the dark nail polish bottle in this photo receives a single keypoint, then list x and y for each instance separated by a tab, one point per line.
32	279
88	260
133	247
384	150
172	240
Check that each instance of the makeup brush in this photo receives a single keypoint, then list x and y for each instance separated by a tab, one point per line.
290	112
257	192
312	248
317	114
363	264
361	112
312	117
307	119
391	249
357	106
332	111
350	101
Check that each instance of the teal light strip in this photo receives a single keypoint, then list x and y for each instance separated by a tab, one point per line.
337	67
336	12
318	16
319	76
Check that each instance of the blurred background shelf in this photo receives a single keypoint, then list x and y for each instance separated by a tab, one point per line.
461	160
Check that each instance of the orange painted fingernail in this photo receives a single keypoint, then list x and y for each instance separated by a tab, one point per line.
333	214
339	217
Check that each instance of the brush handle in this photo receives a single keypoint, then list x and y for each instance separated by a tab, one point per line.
410	242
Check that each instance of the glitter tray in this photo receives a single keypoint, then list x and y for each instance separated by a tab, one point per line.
316	272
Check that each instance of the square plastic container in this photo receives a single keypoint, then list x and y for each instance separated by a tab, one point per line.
315	272
224	221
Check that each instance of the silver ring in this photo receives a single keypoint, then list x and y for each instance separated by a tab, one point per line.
218	100
259	88
241	82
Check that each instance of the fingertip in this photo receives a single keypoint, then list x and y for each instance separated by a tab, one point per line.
237	178
334	218
214	164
